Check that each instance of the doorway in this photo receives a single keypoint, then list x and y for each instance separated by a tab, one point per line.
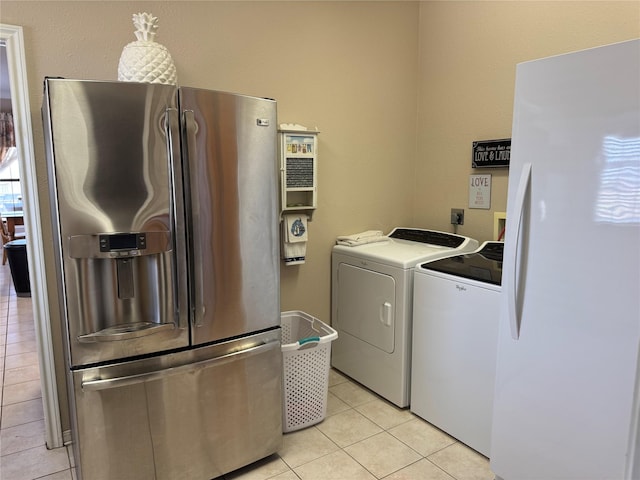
12	41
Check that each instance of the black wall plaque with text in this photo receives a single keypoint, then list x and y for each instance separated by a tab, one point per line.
491	153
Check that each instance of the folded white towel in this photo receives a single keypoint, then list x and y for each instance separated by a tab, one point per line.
370	236
294	253
359	236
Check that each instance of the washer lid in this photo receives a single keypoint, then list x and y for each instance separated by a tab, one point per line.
407	247
484	265
431	237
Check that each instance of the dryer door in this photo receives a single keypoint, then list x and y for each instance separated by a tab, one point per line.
366	305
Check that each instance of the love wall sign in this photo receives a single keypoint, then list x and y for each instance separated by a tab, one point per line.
480	191
491	153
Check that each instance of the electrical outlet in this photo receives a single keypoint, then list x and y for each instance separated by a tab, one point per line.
457	216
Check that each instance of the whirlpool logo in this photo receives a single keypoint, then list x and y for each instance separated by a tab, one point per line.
461	288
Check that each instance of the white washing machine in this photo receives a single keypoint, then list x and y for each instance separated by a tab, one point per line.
455	338
371	305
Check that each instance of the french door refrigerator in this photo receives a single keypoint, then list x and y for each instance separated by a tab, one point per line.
566	398
165	227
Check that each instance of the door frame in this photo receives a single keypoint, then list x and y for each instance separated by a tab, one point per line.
13	39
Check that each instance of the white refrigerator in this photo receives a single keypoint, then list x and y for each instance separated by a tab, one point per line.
566	396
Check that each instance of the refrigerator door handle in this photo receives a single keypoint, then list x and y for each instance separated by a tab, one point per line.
180	294
103	384
513	274
190	151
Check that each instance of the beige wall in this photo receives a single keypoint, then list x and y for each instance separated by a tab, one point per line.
468	54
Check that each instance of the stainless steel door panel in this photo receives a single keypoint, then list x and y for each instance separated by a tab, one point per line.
217	430
112	173
230	159
109	142
190	415
114	439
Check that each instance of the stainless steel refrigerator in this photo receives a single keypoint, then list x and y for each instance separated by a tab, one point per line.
165	224
567	400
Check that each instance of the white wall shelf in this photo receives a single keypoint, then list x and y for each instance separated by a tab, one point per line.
298	169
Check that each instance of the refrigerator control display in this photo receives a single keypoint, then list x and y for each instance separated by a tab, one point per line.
123	241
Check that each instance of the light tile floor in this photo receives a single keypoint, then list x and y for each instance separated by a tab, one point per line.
23	454
362	437
365	437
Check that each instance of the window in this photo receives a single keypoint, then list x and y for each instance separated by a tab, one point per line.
10	188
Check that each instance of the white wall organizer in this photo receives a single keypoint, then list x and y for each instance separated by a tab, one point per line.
298	169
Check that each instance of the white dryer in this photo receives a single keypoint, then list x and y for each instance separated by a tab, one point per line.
371	306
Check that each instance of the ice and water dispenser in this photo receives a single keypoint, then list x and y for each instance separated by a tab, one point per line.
125	284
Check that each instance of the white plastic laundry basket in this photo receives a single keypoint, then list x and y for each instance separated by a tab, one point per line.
306	356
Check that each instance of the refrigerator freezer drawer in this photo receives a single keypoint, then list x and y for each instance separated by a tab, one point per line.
196	415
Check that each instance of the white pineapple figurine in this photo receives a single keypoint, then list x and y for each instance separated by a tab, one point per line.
145	60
